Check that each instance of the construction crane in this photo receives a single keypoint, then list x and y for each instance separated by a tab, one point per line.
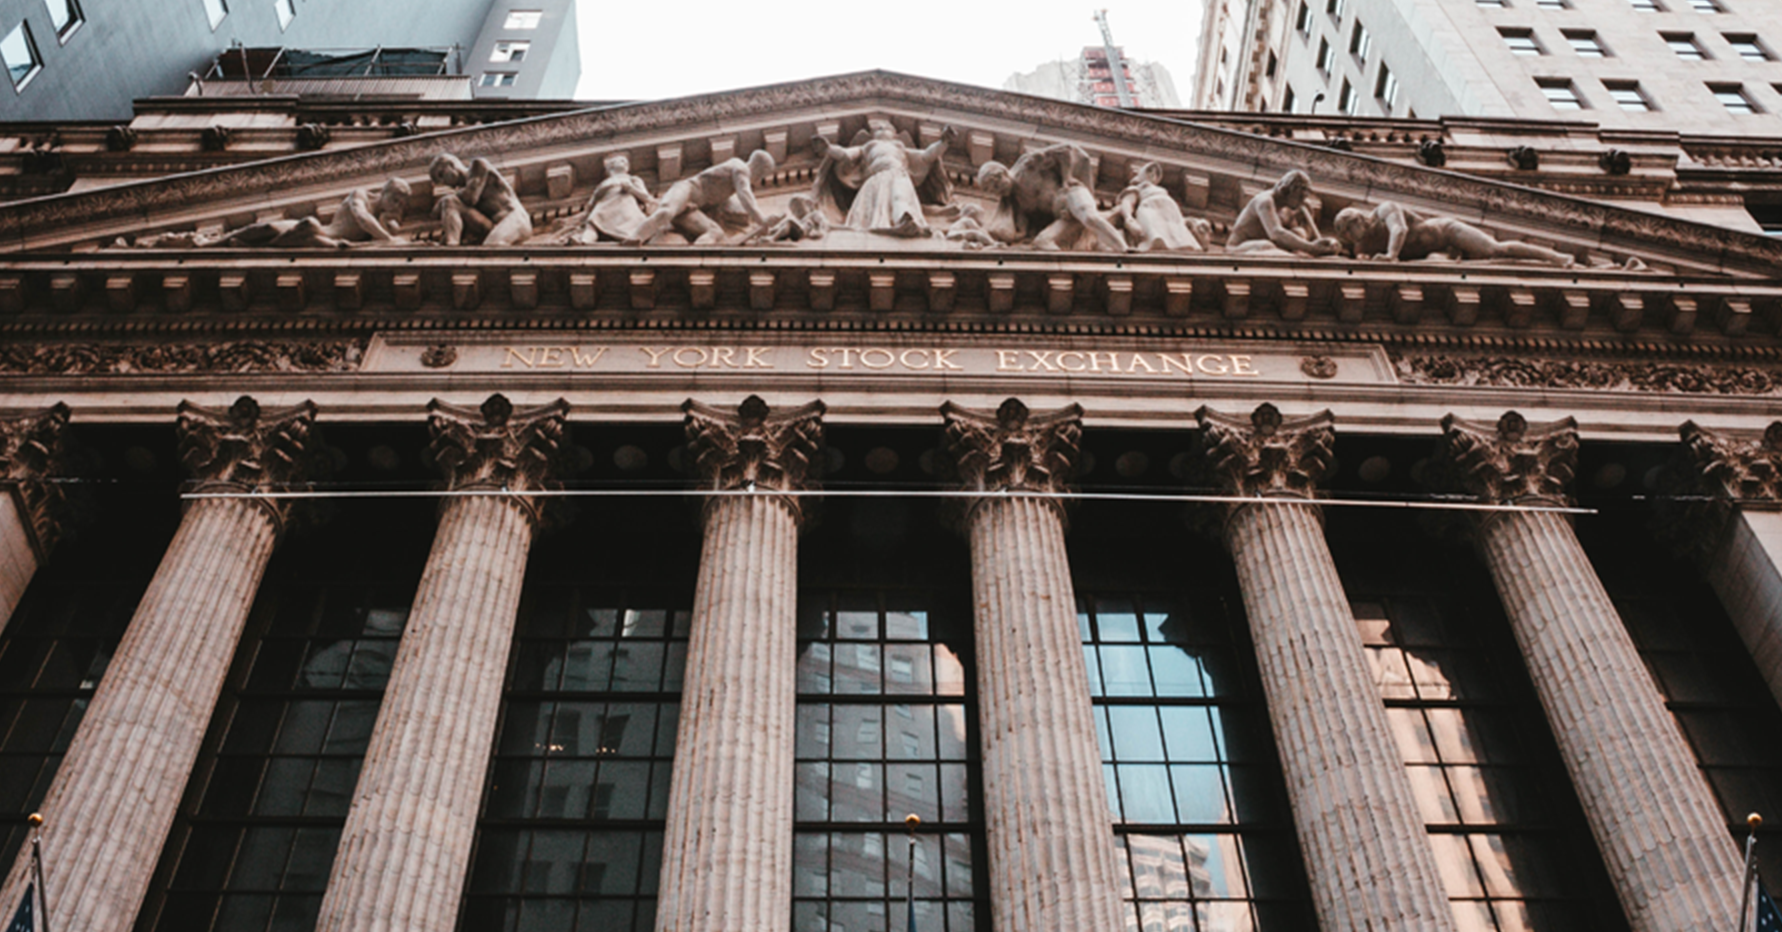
1116	66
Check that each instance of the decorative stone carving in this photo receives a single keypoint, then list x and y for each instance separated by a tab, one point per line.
618	206
1013	449
244	356
1276	220
313	136
697	206
1615	161
1511	461
1151	218
245	449
120	138
1432	152
363	217
1392	232
756	448
214	138
1047	198
495	447
804	220
439	356
881	182
1518	371
1524	158
479	201
1267	454
1711	475
34	453
1318	367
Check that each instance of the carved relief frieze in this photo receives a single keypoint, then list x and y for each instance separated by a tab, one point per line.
243	356
1591	374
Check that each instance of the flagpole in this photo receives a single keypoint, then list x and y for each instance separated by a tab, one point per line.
1752	822
909	885
36	820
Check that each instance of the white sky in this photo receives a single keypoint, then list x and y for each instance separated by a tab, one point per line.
640	50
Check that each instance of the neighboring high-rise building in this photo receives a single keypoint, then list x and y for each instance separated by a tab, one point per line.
1102	76
88	59
364	566
1707	66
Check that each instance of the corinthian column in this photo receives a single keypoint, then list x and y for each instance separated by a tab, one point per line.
1052	858
32	457
406	845
1367	852
1732	519
1662	837
727	850
115	794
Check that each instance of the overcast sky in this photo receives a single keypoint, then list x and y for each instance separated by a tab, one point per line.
643	50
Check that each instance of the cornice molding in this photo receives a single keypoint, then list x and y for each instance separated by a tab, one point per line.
111	208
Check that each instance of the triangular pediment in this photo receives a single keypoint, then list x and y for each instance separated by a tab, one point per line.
556	160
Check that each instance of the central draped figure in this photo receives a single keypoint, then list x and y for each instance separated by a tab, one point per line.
881	182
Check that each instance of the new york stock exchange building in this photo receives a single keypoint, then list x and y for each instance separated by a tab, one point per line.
625	518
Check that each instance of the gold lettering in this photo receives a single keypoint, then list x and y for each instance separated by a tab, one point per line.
1240	365
847	354
1042	359
921	359
943	359
1138	359
1113	362
551	357
530	358
1219	366
818	358
890	358
723	357
1170	362
1080	366
1008	361
655	356
583	362
757	357
696	362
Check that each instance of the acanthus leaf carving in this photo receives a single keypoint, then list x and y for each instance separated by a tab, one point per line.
756	448
1011	449
131	359
1711	475
494	446
1602	375
36	461
1507	462
1266	453
245	449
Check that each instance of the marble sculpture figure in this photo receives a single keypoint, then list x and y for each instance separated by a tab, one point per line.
727	187
1151	216
1392	232
479	200
1258	227
363	217
881	182
618	206
1048	195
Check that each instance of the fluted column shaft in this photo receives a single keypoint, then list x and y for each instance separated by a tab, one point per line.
116	792
18	560
1366	849
406	845
1052	856
1746	572
1662	837
727	850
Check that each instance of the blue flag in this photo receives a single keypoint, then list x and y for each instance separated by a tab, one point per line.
25	920
1769	919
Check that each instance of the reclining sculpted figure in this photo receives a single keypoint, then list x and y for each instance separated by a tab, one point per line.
1392	232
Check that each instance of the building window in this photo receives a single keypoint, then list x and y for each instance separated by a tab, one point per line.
1748	46
1706	6
510	51
1493	4
1386	87
1334	8
216	10
1521	41
1585	42
1561	93
1196	804
19	51
1360	42
1768	216
287	11
65	16
1303	21
1733	98
1646	6
1324	55
497	79
1348	100
885	728
522	19
1289	102
1553	4
1685	45
1628	95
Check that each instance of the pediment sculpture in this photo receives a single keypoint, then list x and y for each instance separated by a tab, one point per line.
883	183
364	217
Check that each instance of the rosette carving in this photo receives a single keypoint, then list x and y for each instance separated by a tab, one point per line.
34	457
494	446
245	449
1507	462
756	448
1266	453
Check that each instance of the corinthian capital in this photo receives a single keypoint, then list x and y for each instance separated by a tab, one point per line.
1733	469
33	456
1510	461
246	449
1267	454
495	447
1013	449
755	447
